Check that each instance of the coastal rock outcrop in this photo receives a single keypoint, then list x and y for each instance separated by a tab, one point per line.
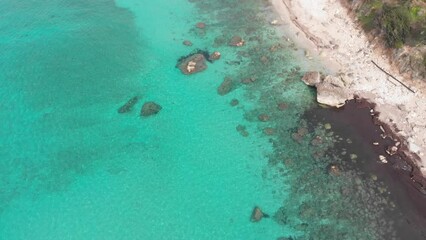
192	64
331	94
150	108
331	90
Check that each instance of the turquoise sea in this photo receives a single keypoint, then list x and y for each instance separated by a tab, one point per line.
72	167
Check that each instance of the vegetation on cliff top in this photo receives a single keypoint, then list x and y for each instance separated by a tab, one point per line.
400	23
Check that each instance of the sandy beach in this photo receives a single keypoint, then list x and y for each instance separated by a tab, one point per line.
330	36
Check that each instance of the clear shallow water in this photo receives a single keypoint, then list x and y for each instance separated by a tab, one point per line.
71	167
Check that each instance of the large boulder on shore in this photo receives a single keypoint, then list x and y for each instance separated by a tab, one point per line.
311	78
192	64
332	92
150	108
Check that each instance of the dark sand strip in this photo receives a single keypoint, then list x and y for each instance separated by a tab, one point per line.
400	175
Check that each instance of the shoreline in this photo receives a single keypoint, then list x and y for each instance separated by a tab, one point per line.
409	211
332	38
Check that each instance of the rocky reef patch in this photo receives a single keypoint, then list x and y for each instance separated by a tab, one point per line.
196	61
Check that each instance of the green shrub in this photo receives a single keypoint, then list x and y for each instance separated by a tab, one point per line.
395	22
367	14
367	21
414	12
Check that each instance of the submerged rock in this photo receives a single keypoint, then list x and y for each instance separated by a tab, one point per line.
214	56
306	211
317	141
248	80
187	43
282	106
297	137
264	59
263	117
225	87
333	169
192	64
200	25
128	106
402	165
269	131
150	108
280	216
233	63
257	215
234	102
242	130
236	41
